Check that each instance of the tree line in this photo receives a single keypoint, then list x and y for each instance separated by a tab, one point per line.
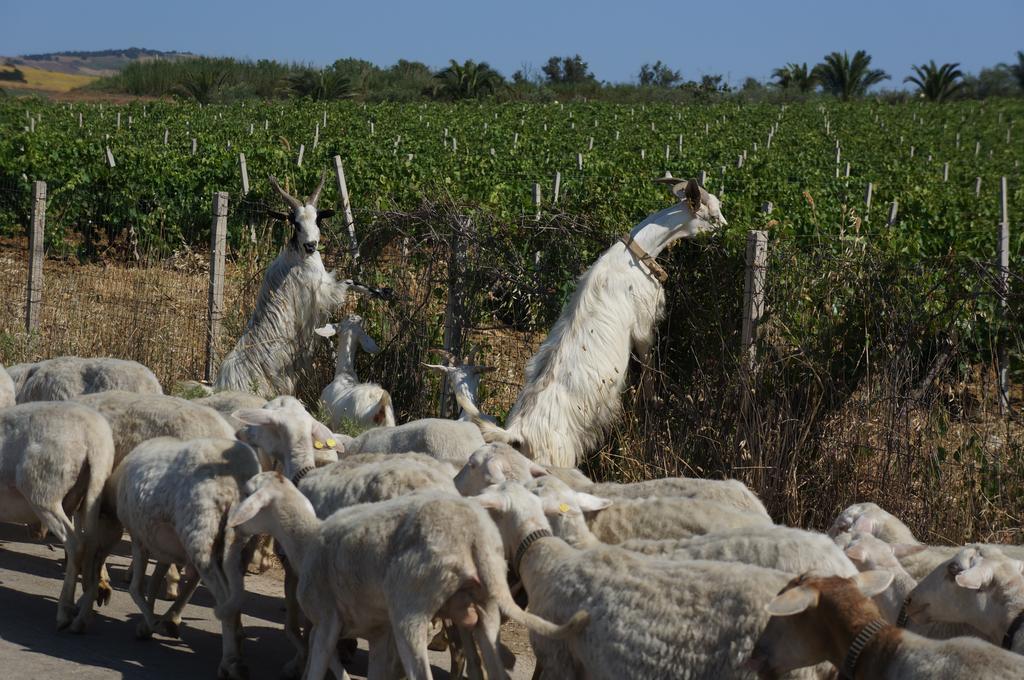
839	74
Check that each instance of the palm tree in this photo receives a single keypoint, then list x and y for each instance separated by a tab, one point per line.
936	83
799	76
320	85
846	77
202	84
468	80
1017	70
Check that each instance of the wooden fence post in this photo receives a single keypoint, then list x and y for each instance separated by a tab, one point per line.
894	210
35	262
215	305
557	188
1003	289
346	208
536	200
245	173
455	310
867	199
753	292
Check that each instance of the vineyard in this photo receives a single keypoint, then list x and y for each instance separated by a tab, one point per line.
874	374
812	161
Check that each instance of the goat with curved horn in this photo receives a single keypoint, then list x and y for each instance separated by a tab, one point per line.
315	196
292	202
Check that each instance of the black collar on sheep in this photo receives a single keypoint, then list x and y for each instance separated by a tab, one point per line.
857	646
1011	632
530	539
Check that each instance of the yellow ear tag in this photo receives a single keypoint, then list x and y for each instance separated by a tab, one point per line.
331	443
318	445
563	507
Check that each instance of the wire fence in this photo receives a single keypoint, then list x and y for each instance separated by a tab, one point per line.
874	377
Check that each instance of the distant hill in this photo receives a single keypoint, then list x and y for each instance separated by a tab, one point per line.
94	63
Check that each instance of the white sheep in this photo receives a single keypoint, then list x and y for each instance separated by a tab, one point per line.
347	399
980	586
7	392
871	519
649	618
227	402
869	553
573	384
296	296
451	441
817	619
173	497
497	462
405	560
67	377
463	376
55	458
794	551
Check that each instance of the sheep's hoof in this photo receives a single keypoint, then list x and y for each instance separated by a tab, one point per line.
78	625
168	629
103	593
347	648
143	631
233	670
65	615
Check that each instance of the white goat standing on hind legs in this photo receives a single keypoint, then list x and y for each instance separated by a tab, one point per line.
296	296
367	404
572	392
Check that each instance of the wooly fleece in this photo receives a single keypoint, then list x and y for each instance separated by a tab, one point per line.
134	418
448	440
67	377
229	401
661	518
7	393
277	346
55	458
650	618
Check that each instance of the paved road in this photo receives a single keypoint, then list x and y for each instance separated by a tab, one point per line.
30	646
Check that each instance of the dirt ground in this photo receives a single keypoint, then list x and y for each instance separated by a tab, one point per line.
30	646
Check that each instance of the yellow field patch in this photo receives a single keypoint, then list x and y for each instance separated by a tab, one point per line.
50	81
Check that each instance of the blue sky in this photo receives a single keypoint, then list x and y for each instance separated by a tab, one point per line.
737	38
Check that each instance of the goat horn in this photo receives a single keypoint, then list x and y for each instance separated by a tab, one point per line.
484	369
315	196
288	198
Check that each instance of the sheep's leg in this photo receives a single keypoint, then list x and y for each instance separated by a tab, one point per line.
383	662
140	560
293	624
467	660
411	633
91	562
156	581
59	524
169	581
171	620
227	610
323	638
486	634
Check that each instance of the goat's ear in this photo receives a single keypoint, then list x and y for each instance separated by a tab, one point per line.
793	601
324	214
326	331
251	506
590	503
692	194
976	577
905	549
871	583
857	552
483	369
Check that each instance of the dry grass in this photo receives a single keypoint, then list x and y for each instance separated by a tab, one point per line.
47	81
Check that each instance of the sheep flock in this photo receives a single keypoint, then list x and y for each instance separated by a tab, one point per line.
435	532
